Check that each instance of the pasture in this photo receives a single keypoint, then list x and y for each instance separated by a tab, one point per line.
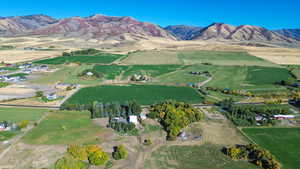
284	143
110	72
207	156
143	94
64	127
19	114
100	58
266	75
188	57
66	74
221	58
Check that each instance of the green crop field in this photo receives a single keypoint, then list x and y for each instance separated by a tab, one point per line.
64	128
153	70
195	57
284	143
221	58
180	77
144	94
207	156
103	58
19	114
266	75
110	72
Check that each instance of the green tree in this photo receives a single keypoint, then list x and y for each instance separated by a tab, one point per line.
78	152
120	152
69	162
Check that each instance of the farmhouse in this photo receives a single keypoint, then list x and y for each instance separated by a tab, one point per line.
133	119
283	117
51	96
89	73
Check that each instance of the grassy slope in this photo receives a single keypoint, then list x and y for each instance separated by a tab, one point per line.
284	143
194	157
103	58
19	114
64	128
144	94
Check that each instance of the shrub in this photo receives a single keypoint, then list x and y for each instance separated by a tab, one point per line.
69	162
147	142
98	158
78	152
23	124
120	152
39	94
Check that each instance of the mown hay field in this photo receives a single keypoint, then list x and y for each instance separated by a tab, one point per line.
143	94
64	128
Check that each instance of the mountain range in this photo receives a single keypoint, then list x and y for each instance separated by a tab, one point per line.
103	27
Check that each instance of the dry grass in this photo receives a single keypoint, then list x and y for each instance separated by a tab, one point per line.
277	55
20	55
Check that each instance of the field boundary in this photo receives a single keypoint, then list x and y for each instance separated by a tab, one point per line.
245	135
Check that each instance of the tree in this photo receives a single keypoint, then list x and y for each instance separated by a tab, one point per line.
78	152
39	94
96	156
69	162
120	152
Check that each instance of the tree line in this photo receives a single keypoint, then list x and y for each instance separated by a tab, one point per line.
245	115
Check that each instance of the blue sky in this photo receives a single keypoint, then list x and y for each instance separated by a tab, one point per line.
272	14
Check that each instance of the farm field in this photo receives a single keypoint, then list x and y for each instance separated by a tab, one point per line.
180	77
144	94
66	74
233	77
153	70
221	58
207	156
103	58
110	72
64	127
284	143
249	77
19	114
152	58
195	57
266	75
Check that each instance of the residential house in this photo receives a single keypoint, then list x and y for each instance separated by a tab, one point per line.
133	119
51	96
